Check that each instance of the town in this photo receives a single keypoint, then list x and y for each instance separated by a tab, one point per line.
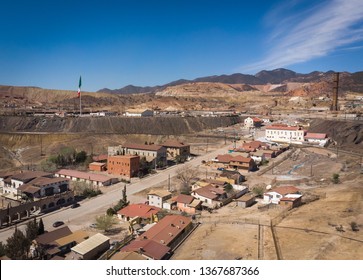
167	200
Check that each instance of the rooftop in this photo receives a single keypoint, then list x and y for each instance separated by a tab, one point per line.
83	175
311	135
285	190
160	193
139	210
167	229
29	175
148	247
174	144
51	236
183	198
90	244
142	147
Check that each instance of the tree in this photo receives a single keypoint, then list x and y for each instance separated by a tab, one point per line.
31	231
335	178
258	190
81	157
41	227
105	222
228	187
123	202
354	226
185	175
17	246
2	249
110	211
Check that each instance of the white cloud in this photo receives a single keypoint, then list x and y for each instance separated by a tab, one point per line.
303	37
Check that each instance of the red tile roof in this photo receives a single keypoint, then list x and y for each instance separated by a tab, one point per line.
150	248
256	119
311	135
183	198
142	147
224	158
167	229
174	144
241	159
284	127
139	210
43	181
29	175
84	175
100	157
210	192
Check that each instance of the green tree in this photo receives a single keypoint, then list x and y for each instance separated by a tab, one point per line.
81	157
258	190
17	246
2	249
31	231
110	211
228	187
123	202
41	227
335	178
105	222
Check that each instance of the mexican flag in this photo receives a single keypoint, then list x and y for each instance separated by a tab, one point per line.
79	86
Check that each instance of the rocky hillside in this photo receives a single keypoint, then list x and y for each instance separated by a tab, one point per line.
114	125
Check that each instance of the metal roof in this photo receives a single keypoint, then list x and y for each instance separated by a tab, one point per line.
90	244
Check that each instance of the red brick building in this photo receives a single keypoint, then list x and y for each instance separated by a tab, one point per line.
127	165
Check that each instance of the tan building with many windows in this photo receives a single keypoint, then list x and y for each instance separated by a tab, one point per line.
127	165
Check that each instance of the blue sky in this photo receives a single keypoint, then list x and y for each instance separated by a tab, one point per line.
112	43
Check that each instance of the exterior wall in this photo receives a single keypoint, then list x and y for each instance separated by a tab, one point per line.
160	155
96	167
183	151
185	208
245	204
123	165
272	197
248	123
285	135
155	200
93	183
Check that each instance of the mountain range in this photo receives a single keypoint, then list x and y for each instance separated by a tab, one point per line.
353	81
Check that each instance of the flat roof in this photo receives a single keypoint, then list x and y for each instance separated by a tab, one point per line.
90	244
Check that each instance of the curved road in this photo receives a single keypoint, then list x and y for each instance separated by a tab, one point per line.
79	217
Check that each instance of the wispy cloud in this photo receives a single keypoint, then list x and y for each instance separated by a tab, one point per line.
312	33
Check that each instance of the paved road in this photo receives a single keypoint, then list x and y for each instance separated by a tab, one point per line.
78	218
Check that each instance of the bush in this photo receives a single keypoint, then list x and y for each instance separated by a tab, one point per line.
335	178
354	226
110	212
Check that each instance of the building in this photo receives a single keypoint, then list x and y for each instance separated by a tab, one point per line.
246	200
12	183
149	249
97	166
139	113
276	194
187	203
153	153
91	248
211	196
320	139
239	162
258	156
126	166
169	231
43	186
231	176
284	133
291	200
175	148
158	197
142	211
252	122
96	180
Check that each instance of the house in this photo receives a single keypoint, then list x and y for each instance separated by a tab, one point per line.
152	153
97	166
12	183
97	180
127	256
320	139
46	243
91	248
246	200
125	165
3	177
252	146
252	122
210	196
269	154
258	156
291	200
67	242
169	231
139	113
284	133
175	148
239	162
149	249
187	203
231	176
43	186
276	194
158	197
140	210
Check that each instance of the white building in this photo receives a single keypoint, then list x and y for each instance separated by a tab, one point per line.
287	134
139	113
157	198
274	195
320	139
252	122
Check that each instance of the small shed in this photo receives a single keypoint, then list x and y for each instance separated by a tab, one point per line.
97	166
92	247
246	200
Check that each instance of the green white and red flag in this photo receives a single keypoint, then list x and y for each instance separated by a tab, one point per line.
79	86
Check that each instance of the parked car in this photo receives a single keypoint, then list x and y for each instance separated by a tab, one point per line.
75	205
58	223
220	168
